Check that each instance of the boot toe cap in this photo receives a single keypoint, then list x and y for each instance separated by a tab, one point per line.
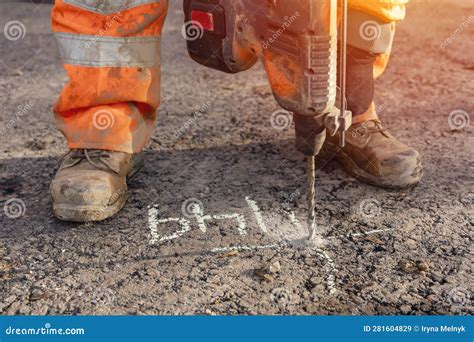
403	168
87	196
84	190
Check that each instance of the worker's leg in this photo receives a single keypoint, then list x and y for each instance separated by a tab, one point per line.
370	39
111	52
371	153
371	31
107	111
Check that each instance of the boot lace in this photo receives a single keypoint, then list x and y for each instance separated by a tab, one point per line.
364	128
97	158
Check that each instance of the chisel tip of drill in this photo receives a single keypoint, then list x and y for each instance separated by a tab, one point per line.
315	240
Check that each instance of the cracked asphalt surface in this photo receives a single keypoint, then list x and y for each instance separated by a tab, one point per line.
384	252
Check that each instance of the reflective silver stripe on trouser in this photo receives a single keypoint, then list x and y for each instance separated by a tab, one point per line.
109	6
94	51
369	33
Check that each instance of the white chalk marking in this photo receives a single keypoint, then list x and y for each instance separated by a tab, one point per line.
371	232
201	219
243	248
153	223
185	227
258	214
331	280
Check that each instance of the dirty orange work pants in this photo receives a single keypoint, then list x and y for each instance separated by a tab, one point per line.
111	52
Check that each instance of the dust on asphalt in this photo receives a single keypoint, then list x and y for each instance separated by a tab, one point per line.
230	249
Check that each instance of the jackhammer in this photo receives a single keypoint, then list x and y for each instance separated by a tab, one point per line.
297	42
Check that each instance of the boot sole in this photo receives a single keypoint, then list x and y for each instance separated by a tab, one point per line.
75	213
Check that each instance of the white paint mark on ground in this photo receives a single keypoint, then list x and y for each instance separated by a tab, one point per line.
331	266
258	214
201	219
371	232
243	248
153	223
331	280
185	226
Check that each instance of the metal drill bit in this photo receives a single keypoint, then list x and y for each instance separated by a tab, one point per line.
311	193
311	160
343	69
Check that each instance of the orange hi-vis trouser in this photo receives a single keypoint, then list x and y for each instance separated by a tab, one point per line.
111	52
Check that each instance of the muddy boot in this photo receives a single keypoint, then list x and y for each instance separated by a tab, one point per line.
91	185
374	156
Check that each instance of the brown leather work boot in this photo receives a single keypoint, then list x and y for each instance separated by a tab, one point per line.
91	185
374	156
